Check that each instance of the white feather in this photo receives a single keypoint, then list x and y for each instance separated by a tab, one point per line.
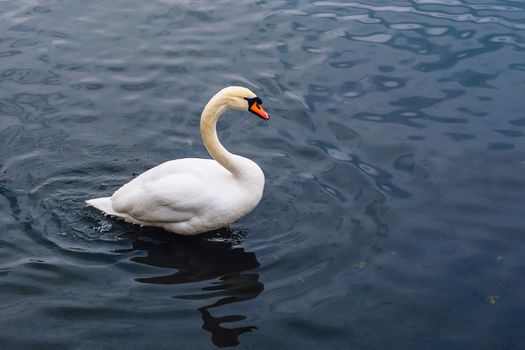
191	195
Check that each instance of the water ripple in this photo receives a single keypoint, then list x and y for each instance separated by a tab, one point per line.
393	164
30	76
465	17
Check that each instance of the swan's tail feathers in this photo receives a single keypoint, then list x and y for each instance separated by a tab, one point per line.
103	204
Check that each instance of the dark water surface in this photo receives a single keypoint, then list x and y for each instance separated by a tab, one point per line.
394	209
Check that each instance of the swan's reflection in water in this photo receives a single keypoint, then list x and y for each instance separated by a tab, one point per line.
213	256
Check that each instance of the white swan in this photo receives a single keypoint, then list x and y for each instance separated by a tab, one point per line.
192	195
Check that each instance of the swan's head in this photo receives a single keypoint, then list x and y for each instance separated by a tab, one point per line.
243	99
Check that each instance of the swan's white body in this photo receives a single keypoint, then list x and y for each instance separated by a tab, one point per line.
191	195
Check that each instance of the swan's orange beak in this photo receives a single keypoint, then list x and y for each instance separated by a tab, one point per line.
257	109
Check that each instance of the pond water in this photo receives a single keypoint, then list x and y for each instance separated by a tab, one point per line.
394	209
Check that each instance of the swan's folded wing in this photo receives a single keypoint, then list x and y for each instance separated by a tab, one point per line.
175	198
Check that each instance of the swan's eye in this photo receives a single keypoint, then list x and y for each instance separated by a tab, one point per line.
253	100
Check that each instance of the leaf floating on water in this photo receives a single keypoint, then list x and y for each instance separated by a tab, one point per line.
492	299
360	264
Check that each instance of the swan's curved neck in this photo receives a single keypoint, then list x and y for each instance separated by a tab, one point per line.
211	113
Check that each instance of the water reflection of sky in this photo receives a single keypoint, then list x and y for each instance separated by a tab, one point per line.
393	207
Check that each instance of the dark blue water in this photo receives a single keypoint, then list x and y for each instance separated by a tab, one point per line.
394	210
